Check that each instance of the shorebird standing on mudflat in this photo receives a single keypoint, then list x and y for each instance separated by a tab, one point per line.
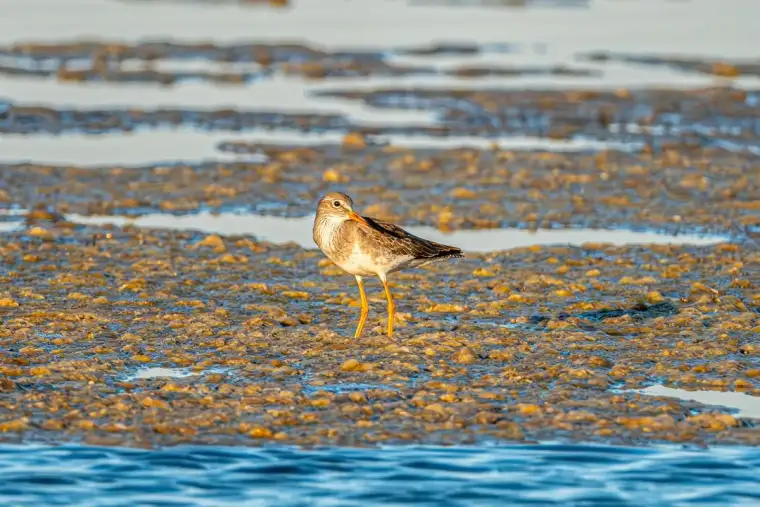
365	246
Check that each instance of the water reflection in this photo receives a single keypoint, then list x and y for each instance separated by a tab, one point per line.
188	146
160	372
279	93
11	219
299	230
157	372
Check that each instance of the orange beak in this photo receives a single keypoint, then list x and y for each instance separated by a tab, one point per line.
352	215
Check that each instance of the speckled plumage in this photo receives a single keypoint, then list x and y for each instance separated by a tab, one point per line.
365	246
388	246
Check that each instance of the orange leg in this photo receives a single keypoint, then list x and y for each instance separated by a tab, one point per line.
365	307
391	307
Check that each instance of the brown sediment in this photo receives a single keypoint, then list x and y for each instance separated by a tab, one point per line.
533	343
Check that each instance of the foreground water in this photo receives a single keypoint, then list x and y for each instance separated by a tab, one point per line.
548	474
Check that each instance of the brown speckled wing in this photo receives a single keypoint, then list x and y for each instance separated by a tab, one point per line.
399	242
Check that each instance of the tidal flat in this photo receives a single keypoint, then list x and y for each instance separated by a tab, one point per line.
529	344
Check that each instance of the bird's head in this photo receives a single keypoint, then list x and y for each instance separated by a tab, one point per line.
338	207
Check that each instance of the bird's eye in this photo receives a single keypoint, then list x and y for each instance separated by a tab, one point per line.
336	204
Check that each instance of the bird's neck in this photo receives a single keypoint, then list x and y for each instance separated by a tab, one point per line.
327	231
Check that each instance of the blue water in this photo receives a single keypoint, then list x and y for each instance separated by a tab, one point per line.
566	475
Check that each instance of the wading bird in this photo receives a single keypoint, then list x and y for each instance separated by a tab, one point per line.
365	246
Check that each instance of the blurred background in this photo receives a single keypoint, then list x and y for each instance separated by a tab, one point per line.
308	56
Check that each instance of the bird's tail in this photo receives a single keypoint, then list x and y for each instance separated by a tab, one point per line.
449	252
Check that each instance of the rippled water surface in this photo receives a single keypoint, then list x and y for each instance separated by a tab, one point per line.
567	475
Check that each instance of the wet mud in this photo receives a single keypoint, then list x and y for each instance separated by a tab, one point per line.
648	120
241	64
655	118
707	191
521	345
20	119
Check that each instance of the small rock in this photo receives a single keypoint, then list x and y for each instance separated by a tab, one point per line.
260	432
354	141
8	302
351	365
213	241
464	356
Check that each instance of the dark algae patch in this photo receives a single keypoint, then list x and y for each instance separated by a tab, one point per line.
522	345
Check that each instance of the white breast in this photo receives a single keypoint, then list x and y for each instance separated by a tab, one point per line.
363	264
359	263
